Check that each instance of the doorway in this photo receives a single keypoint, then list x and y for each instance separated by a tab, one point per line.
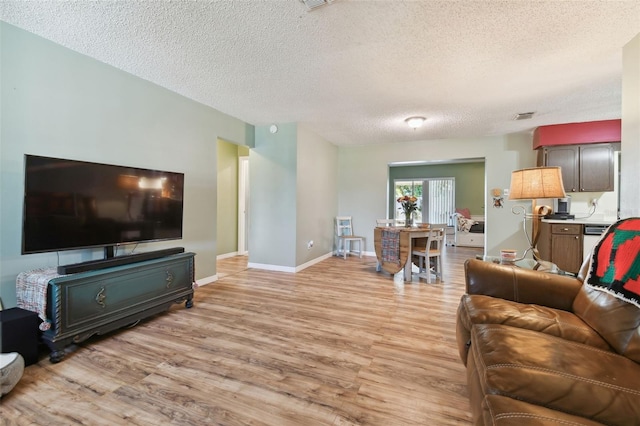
440	186
243	205
232	200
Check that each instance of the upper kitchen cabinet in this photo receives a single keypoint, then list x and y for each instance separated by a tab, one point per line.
585	151
585	168
567	158
597	167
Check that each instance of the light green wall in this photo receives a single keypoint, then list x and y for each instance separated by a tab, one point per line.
469	182
317	202
363	180
56	102
272	217
293	176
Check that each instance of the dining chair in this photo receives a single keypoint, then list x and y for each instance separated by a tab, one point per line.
345	236
432	251
385	222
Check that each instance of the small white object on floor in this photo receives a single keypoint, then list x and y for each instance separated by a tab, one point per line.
11	369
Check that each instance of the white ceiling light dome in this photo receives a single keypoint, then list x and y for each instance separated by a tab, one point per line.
415	122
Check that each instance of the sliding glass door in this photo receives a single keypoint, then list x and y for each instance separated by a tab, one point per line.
436	196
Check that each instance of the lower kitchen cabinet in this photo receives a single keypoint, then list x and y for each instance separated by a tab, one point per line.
561	244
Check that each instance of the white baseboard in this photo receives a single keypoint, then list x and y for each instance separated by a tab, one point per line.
299	267
278	268
290	269
207	280
227	255
313	262
267	267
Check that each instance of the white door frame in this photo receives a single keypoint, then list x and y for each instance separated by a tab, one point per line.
243	205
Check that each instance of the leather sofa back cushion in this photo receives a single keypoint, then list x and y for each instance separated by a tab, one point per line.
617	321
478	309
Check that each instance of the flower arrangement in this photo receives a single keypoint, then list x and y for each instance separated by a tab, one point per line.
409	205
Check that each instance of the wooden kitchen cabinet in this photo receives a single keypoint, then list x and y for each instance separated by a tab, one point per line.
561	244
567	158
597	167
585	168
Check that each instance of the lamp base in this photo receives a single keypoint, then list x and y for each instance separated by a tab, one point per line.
538	212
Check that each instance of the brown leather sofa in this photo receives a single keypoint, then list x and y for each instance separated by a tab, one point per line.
544	349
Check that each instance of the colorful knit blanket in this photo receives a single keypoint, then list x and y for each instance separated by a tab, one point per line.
615	266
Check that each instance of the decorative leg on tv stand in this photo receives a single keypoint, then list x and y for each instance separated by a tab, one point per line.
56	356
57	350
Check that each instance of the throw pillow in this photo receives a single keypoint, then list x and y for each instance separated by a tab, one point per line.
464	212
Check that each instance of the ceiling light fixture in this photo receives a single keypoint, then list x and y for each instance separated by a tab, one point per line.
415	122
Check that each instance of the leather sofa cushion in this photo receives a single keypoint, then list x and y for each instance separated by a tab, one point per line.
617	321
520	284
479	309
559	374
502	411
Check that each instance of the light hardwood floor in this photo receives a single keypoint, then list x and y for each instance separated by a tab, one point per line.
335	344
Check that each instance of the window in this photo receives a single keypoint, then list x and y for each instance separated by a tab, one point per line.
440	196
407	187
436	198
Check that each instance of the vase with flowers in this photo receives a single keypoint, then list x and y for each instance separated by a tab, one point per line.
409	204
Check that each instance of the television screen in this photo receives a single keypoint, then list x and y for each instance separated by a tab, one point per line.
72	204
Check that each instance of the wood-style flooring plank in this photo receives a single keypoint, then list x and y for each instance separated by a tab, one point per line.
335	344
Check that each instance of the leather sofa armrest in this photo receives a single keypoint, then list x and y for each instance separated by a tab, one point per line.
521	285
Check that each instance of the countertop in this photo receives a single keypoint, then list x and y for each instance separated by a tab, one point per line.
583	221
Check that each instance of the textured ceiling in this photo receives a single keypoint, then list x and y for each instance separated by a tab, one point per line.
353	70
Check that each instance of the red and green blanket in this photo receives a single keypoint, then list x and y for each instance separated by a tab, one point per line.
615	267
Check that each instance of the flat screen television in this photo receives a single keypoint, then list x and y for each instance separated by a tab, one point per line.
70	204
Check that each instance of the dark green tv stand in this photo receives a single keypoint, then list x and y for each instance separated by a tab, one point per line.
96	302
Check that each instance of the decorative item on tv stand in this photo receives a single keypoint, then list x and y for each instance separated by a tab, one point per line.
531	184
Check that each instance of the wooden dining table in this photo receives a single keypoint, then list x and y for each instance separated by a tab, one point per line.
394	245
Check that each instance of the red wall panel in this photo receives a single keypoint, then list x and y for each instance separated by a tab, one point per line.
578	133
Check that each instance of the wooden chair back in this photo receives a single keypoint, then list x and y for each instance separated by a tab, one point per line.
385	222
344	226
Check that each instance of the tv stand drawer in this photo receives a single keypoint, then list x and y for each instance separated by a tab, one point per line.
96	299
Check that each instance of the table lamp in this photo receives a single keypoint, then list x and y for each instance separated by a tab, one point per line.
531	184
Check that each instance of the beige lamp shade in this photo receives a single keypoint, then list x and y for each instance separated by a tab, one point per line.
536	182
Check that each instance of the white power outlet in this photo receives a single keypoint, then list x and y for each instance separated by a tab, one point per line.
309	244
594	202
